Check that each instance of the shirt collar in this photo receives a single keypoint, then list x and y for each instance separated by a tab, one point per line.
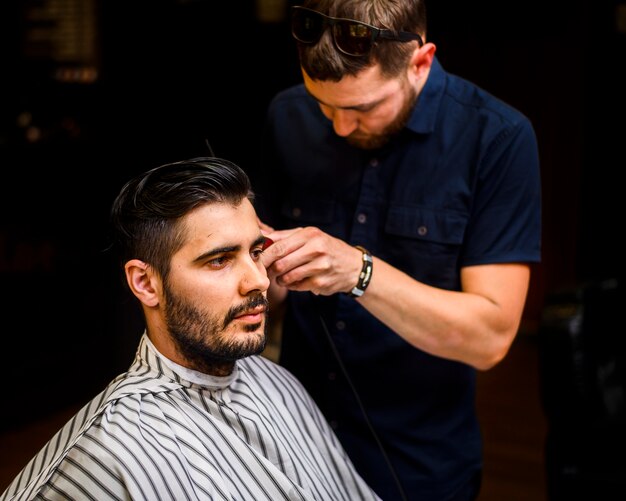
424	114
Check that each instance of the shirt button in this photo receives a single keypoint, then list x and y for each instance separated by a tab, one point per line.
332	376
374	162
422	230
341	325
361	218
296	212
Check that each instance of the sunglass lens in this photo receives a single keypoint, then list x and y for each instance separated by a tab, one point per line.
352	38
307	26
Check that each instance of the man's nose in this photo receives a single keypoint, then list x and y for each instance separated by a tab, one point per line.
344	122
254	277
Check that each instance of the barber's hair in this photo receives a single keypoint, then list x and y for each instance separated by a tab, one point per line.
146	214
322	61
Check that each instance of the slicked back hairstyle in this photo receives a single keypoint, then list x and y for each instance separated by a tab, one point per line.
322	61
146	214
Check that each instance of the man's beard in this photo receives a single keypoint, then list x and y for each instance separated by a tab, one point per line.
375	141
201	338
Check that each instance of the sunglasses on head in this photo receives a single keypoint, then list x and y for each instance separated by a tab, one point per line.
351	37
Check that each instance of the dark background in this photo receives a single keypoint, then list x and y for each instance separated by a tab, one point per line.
174	73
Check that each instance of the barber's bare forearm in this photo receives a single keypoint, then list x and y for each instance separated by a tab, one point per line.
475	326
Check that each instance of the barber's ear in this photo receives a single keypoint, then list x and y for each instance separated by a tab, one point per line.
422	59
143	282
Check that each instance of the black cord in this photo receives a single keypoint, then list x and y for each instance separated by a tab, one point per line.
362	407
208	145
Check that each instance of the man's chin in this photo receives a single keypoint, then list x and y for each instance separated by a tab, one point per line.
252	341
368	142
254	349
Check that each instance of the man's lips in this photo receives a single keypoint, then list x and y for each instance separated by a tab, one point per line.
252	311
253	314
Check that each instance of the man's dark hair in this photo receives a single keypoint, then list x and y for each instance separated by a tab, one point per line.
322	61
146	214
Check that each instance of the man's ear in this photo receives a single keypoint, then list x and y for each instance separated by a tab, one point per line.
143	282
421	60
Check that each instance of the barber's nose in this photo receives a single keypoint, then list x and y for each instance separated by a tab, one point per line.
344	122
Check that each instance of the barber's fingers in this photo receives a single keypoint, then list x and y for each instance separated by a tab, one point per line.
278	245
282	244
306	260
276	235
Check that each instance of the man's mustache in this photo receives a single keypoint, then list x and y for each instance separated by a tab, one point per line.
250	304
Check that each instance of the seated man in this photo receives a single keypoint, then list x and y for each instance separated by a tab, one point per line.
198	415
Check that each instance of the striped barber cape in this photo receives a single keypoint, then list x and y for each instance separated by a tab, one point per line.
155	433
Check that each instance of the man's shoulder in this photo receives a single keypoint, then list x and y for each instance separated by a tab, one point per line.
293	110
77	438
263	369
292	92
291	97
261	362
476	99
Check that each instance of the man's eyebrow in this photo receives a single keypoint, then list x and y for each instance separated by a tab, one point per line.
216	251
226	249
359	107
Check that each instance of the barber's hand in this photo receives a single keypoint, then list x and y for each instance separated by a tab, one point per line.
307	259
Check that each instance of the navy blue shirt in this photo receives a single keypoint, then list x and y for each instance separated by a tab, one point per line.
459	186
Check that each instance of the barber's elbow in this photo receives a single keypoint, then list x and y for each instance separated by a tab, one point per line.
489	362
496	351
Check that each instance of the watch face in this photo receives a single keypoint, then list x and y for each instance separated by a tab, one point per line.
356	292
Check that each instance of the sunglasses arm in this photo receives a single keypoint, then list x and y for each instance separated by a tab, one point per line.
400	36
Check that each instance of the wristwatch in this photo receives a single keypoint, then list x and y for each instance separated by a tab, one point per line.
366	273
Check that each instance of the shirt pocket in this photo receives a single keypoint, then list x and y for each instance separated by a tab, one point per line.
425	243
426	225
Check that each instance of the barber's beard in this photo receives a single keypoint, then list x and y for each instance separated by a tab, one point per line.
204	340
375	141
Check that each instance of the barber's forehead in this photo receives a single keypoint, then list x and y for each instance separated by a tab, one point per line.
367	87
